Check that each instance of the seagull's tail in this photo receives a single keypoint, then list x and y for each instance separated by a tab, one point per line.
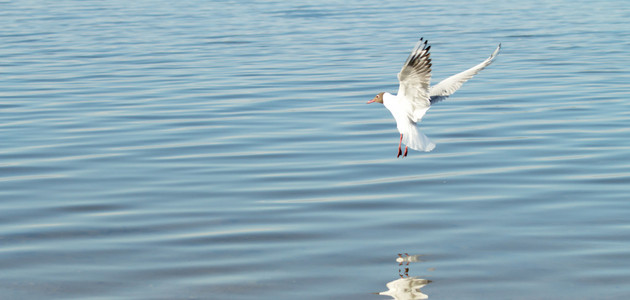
416	140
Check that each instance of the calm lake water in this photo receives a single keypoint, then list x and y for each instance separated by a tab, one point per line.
224	150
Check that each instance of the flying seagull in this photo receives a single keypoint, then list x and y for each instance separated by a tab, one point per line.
415	96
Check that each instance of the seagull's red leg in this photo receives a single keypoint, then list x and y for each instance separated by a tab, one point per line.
405	155
399	143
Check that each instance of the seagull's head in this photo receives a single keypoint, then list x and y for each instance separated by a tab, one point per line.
378	98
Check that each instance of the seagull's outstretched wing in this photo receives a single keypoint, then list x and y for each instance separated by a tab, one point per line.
414	78
449	85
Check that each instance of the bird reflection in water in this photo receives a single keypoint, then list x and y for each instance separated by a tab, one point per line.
406	287
407	259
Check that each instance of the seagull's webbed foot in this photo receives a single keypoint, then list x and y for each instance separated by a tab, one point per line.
399	152
405	155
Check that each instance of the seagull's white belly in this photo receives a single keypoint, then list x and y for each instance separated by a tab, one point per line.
400	115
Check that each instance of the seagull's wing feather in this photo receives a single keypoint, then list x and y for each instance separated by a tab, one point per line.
414	78
449	85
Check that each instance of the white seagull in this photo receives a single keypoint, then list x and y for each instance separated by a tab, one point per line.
415	96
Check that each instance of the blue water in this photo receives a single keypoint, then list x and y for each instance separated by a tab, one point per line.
223	150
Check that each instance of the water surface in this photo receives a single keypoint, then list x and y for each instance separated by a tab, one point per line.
223	150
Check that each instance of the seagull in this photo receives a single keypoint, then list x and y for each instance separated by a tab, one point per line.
415	96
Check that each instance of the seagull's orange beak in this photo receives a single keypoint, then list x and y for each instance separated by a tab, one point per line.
371	101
